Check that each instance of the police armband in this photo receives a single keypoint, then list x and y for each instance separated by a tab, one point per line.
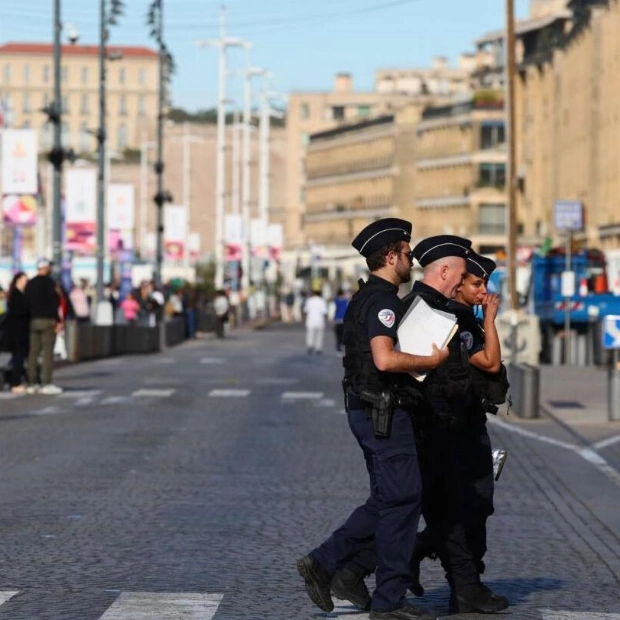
381	405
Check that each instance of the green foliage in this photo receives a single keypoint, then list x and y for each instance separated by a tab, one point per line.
205	279
209	117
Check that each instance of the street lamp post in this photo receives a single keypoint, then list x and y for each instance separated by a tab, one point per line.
57	151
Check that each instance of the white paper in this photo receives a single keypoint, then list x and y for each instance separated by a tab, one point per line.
423	326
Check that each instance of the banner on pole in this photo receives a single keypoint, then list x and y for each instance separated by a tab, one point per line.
120	216
81	210
175	230
194	246
19	161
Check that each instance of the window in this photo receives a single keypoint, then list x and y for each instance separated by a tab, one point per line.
84	138
141	106
7	73
492	219
45	100
64	74
338	113
26	74
304	111
363	111
142	77
492	135
122	137
45	74
122	105
122	74
26	103
84	104
65	104
305	138
84	75
492	175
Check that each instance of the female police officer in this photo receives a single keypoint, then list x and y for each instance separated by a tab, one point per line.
373	370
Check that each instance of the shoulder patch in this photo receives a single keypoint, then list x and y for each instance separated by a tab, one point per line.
387	317
468	339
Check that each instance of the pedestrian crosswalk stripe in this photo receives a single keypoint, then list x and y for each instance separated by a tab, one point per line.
142	605
302	395
6	595
115	400
229	393
80	393
153	393
552	614
211	360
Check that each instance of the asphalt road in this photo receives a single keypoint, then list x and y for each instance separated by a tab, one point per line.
183	486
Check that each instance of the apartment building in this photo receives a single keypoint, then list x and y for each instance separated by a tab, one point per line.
460	172
27	84
568	121
356	174
314	112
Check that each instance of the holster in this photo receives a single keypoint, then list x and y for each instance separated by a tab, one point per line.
380	405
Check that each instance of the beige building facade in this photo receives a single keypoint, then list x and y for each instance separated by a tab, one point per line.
568	122
314	112
460	172
27	86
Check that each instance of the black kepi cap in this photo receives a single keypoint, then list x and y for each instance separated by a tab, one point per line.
380	233
480	266
440	246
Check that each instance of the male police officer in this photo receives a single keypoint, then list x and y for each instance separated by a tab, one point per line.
374	370
454	451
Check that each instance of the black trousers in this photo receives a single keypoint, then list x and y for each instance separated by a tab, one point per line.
20	353
457	498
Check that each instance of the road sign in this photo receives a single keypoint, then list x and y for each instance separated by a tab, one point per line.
611	332
568	215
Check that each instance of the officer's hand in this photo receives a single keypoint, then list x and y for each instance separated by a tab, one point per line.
439	356
490	305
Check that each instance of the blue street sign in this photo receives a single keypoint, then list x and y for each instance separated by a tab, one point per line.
611	332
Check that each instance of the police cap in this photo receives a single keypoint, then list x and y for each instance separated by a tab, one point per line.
480	266
380	233
440	246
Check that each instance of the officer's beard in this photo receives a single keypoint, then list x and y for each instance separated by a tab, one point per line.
404	274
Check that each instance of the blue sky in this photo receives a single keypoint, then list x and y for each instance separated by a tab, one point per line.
303	43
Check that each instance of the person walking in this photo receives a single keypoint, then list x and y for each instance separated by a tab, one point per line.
453	446
221	307
16	330
130	308
44	305
341	301
374	368
315	309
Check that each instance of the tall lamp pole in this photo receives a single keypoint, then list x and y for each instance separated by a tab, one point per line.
57	154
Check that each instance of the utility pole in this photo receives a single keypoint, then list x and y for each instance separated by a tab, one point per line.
265	114
188	139
223	43
236	162
57	154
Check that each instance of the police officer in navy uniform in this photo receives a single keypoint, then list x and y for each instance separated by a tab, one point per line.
454	447
374	370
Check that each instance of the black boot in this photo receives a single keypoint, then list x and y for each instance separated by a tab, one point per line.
423	549
317	582
476	597
348	585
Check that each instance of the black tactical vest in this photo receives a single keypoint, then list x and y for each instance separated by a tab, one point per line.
360	373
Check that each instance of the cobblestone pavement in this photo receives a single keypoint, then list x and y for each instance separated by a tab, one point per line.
185	484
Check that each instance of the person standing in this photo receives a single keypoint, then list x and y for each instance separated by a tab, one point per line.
44	304
453	446
221	307
315	309
374	369
341	301
17	330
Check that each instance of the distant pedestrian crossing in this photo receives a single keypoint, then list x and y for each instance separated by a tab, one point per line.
141	605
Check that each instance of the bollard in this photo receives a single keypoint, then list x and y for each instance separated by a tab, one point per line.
530	391
613	388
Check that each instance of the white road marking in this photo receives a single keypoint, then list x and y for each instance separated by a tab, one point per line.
79	393
276	381
153	393
211	360
84	402
47	411
6	595
9	396
344	609
229	393
552	614
115	400
168	606
302	395
589	454
326	402
605	443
